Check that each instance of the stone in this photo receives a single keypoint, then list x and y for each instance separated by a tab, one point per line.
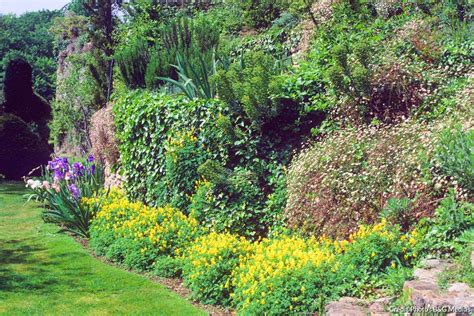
421	292
348	306
379	306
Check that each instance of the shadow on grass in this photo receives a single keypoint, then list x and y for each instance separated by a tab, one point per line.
23	269
12	188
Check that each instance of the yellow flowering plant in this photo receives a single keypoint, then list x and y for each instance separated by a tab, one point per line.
209	264
136	235
285	275
372	252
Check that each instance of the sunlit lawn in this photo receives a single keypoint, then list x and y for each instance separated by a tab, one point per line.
46	272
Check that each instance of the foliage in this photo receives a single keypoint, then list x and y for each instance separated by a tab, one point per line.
79	96
137	235
146	120
160	65
184	154
454	156
102	16
132	61
209	264
194	79
284	275
27	36
247	86
461	271
441	234
372	253
262	13
64	187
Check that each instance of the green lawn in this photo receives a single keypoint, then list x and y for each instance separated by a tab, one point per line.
46	272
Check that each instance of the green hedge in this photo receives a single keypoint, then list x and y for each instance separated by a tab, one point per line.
147	125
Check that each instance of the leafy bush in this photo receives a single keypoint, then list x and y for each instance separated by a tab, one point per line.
62	188
454	156
137	235
167	267
27	35
160	65
79	96
209	263
262	13
370	253
184	154
20	99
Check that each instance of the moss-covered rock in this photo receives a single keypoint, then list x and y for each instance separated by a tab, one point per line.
21	150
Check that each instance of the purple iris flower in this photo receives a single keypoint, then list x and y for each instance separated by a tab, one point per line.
77	169
75	192
90	158
58	174
93	169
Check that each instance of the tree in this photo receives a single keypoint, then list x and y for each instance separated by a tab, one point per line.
101	14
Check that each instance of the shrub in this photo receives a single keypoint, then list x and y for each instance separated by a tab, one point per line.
137	235
167	267
160	65
184	154
62	188
454	156
21	149
209	263
20	99
79	95
347	178
262	13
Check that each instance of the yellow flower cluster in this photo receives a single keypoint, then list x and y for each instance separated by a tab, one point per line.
275	258
210	262
166	229
365	230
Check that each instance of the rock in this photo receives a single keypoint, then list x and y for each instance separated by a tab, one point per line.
431	269
431	263
379	306
347	306
421	292
459	288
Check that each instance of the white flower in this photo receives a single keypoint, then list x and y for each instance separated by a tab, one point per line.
34	184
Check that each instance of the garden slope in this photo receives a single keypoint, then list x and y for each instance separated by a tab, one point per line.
43	272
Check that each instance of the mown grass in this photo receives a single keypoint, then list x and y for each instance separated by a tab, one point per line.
43	272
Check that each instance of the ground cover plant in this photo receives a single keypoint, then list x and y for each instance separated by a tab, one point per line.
286	273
